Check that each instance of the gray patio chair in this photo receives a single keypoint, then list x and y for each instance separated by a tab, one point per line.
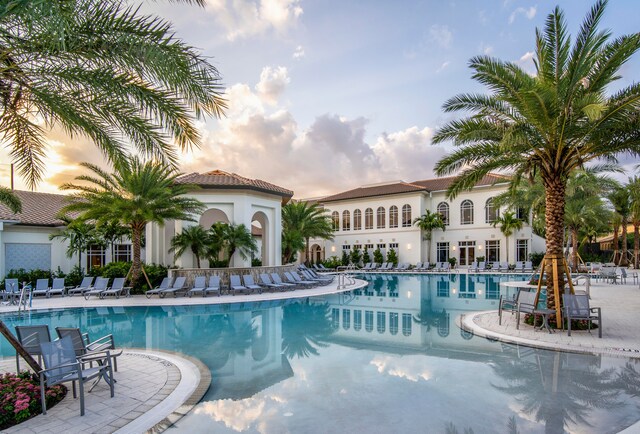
117	289
526	304
83	346
42	288
278	281
577	307
214	285
235	285
315	277
179	285
508	304
57	287
528	267
165	284
101	285
62	366
11	291
266	281
84	286
248	281
30	337
297	280
199	285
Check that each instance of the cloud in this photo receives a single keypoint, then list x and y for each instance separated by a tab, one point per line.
247	18
443	66
272	83
440	35
299	52
530	13
486	49
526	62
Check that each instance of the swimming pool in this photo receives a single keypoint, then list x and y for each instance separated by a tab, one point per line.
385	359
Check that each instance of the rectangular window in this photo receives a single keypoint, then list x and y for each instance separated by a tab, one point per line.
393	246
357	320
95	257
346	319
407	320
369	246
521	214
493	250
442	288
522	250
442	252
357	246
368	320
122	252
382	246
335	318
346	247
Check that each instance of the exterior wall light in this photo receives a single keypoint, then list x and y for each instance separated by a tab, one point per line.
409	246
333	249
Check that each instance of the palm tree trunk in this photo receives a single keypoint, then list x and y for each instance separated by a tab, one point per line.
616	243
306	253
506	241
636	243
624	260
232	250
554	222
136	241
429	251
574	249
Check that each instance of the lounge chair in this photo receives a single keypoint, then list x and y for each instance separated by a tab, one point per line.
249	283
528	267
85	285
117	288
577	307
199	285
519	267
42	288
278	281
83	346
295	279
178	286
366	267
11	291
213	286
165	284
445	267
323	268
266	281
235	285
495	266
482	267
402	266
312	275
504	267
99	287
61	366
473	268
30	337
57	287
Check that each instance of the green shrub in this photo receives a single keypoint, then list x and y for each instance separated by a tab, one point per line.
73	278
155	273
536	258
366	258
345	258
453	262
377	256
332	262
255	262
218	263
355	256
28	276
392	257
111	270
20	397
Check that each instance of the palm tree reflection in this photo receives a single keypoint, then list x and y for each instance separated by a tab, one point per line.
305	328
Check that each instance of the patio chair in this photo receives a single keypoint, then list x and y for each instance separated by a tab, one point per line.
83	346
445	266
526	304
266	281
297	280
313	276
577	307
278	281
101	285
482	266
528	267
495	266
179	285
30	337
473	268
11	291
235	285
519	267
503	267
213	286
251	284
42	288
61	366
199	285
165	284
508	304
117	289
57	287
85	285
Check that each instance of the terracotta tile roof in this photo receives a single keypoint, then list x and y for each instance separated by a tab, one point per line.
220	179
439	184
38	209
374	190
427	185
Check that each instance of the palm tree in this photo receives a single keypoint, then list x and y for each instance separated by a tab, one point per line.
634	191
101	69
194	238
620	198
136	193
215	241
548	124
303	220
427	223
9	198
238	238
509	223
79	235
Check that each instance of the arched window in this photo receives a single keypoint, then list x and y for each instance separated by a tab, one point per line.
406	216
335	220
368	218
346	319
491	212
346	221
368	320
357	220
393	216
443	210
380	223
393	323
381	322
466	212
406	324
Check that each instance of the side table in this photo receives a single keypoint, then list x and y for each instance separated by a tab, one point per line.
545	313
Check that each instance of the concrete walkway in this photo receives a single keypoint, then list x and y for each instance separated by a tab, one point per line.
153	390
620	333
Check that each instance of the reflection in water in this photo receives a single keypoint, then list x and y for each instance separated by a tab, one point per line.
384	357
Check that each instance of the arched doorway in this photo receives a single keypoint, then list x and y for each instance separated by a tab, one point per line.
208	219
315	251
260	231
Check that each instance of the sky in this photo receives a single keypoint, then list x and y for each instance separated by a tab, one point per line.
329	95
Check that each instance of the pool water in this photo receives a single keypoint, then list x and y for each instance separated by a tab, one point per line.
388	358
